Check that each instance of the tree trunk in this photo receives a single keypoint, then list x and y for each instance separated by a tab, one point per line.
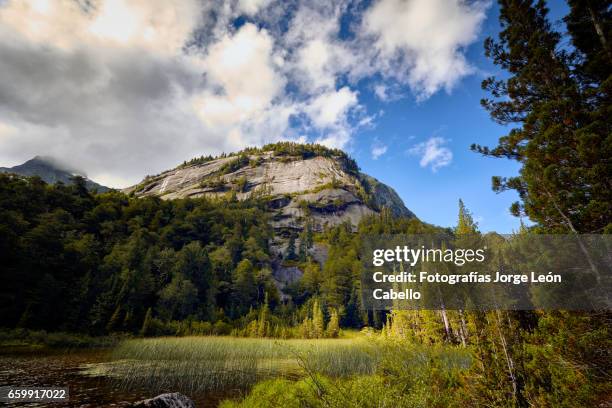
509	361
599	31
463	330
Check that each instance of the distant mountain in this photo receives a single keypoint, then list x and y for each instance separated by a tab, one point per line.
51	171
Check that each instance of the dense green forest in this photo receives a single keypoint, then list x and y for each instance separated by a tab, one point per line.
97	263
101	263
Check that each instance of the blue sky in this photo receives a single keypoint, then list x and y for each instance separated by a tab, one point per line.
458	118
122	89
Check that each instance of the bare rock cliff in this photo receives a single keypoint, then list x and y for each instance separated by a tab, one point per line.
325	189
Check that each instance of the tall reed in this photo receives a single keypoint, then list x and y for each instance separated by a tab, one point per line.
207	364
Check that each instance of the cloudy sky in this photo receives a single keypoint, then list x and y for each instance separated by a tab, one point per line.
126	88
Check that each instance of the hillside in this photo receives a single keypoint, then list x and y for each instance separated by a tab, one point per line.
299	182
303	186
51	171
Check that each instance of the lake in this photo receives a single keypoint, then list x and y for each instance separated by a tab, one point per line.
76	370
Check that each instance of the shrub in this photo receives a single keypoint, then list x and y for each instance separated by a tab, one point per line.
234	165
222	328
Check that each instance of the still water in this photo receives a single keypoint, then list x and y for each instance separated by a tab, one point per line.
75	369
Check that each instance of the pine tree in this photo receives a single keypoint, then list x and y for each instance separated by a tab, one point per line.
290	251
306	328
560	100
262	321
244	287
333	326
311	279
317	320
466	224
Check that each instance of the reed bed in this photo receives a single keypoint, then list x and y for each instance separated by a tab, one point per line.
195	365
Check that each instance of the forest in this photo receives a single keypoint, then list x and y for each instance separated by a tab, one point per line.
100	263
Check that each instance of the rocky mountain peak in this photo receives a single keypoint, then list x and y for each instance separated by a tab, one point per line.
51	171
299	181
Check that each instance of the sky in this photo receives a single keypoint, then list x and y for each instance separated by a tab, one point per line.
126	88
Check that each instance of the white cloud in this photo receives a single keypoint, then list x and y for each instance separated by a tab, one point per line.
382	92
331	108
420	42
124	88
68	24
244	82
318	55
242	64
107	104
378	150
314	59
335	139
433	153
251	7
329	112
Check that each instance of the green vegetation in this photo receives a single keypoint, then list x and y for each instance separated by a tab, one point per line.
283	150
404	376
333	184
214	183
197	161
22	339
235	164
116	266
204	364
109	263
157	268
240	184
97	264
556	97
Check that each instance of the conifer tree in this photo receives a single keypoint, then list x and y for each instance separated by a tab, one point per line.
318	325
333	326
557	97
244	286
466	224
558	101
262	321
290	251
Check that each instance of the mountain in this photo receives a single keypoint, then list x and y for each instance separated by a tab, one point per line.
300	181
51	171
302	184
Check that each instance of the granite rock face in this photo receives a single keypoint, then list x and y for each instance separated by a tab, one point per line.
316	188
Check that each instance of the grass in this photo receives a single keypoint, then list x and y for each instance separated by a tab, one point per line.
195	365
406	376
